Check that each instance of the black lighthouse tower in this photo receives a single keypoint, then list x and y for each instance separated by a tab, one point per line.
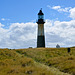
40	36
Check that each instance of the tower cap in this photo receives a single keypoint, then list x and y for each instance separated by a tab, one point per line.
40	12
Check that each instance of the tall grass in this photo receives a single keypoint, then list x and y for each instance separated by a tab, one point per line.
53	57
13	63
37	61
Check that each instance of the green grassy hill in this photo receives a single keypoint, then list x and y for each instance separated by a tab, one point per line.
37	61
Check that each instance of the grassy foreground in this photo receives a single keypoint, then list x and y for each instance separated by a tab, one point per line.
37	61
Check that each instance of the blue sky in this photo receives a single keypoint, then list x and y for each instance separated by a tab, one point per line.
17	13
26	10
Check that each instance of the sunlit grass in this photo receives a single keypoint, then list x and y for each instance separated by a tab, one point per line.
53	57
12	63
37	61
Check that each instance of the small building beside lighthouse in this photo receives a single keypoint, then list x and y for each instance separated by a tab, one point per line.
40	34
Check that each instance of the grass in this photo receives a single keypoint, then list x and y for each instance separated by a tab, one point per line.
37	61
13	63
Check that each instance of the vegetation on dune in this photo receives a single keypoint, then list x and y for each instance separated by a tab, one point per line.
65	64
12	63
37	61
53	57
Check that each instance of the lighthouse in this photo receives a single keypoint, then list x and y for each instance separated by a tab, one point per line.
40	34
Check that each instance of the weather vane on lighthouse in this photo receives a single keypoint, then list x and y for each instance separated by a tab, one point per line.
40	35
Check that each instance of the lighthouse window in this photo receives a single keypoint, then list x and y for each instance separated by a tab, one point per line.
40	16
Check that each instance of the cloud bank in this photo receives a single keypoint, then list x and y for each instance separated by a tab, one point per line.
19	35
24	35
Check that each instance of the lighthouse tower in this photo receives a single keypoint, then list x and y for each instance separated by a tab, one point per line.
40	35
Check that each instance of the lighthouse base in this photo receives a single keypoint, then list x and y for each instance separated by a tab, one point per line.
40	41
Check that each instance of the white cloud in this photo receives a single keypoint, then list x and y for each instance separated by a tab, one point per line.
72	13
3	19
18	35
69	10
1	25
23	35
56	7
62	33
59	8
